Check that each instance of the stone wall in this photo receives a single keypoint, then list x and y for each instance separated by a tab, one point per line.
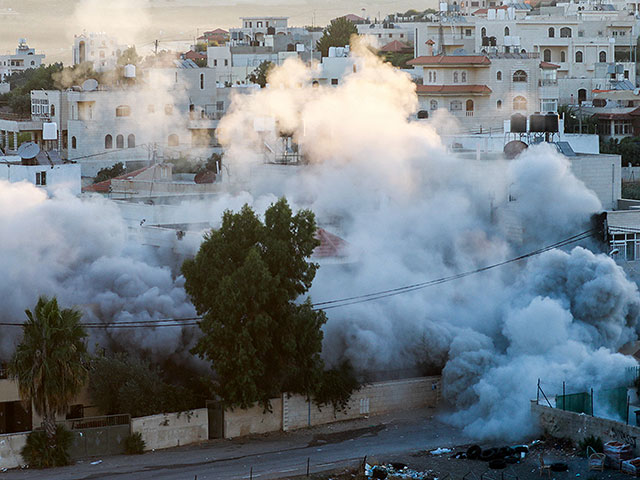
577	426
10	446
172	429
241	422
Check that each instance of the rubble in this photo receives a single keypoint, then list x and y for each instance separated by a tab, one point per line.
396	471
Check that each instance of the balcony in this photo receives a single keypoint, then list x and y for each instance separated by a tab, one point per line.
548	82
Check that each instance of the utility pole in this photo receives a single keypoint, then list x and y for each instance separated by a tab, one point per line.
156	47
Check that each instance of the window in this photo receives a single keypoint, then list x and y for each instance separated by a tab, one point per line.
52	110
173	140
463	77
552	32
499	76
430	77
546	55
455	105
131	141
499	104
120	141
519	103
258	24
626	74
602	57
455	77
622	127
563	56
41	178
123	111
469	105
483	32
548	105
108	141
226	62
506	31
433	104
334	81
220	106
402	34
215	62
74	143
578	56
168	109
565	32
520	76
467	32
202	81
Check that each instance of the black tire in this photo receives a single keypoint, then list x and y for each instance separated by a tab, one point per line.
488	454
511	459
559	467
379	473
497	464
398	465
474	452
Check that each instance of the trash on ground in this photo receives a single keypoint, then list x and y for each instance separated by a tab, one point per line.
96	462
440	451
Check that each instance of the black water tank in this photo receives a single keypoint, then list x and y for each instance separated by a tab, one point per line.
518	123
423	114
551	122
537	123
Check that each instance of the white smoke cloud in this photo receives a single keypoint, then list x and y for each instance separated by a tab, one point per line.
125	20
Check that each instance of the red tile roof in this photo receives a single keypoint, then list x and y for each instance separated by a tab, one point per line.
453	89
330	245
353	17
396	46
191	55
450	60
548	65
484	11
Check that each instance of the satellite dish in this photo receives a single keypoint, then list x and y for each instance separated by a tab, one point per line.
28	150
514	148
90	85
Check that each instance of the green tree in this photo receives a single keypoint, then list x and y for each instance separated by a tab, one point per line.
108	173
21	83
337	34
50	363
245	280
261	74
129	56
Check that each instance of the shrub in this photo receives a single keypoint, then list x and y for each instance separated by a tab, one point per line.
134	444
590	441
38	453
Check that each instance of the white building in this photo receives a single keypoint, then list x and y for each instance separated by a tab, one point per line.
254	30
101	50
50	176
23	59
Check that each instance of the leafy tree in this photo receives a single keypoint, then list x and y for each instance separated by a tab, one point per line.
244	281
628	148
41	78
397	59
261	74
50	363
129	56
108	173
337	34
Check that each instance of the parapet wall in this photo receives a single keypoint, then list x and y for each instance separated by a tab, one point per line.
577	426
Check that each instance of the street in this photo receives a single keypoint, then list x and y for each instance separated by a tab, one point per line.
271	456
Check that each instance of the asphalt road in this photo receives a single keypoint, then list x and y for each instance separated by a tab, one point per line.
271	456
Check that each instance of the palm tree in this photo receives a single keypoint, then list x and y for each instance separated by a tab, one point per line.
50	364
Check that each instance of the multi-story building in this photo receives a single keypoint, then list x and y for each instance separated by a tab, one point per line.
99	49
23	59
254	30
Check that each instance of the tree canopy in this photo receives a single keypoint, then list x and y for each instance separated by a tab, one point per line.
21	83
50	363
244	281
261	73
337	34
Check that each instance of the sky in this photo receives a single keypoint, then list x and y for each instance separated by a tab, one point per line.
49	25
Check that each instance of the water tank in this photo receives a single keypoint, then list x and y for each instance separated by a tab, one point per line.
129	71
537	123
551	122
332	52
518	123
514	148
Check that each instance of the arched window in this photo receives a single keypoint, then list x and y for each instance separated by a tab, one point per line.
173	140
552	32
108	141
519	103
123	111
52	110
582	95
546	55
578	56
483	32
520	76
565	32
463	77
602	57
202	81
506	31
74	143
499	76
433	104
469	105
455	77
563	56
131	141
499	104
120	141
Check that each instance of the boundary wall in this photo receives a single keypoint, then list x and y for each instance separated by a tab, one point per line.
172	429
10	446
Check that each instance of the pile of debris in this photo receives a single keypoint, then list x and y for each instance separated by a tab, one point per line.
396	470
497	457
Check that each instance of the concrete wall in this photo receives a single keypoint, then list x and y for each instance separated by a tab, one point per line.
238	422
172	429
631	174
602	174
10	446
294	411
577	426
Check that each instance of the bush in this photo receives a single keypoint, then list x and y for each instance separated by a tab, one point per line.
590	441
109	173
134	444
37	452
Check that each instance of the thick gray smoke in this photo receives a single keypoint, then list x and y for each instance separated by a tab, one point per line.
410	211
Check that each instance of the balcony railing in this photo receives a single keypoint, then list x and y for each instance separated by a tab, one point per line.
547	82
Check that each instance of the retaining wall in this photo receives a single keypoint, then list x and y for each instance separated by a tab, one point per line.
294	411
577	426
172	429
10	446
